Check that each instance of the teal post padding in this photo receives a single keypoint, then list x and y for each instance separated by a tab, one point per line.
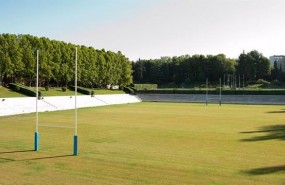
37	141
75	145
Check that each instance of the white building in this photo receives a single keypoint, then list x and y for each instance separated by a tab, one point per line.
280	59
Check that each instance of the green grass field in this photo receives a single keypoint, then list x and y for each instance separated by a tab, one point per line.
148	143
58	92
7	93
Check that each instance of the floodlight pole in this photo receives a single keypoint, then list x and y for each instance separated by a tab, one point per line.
206	91
37	136
232	81
75	139
243	81
220	92
235	81
239	81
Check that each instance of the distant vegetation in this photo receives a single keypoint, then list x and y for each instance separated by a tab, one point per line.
184	70
100	68
96	68
145	86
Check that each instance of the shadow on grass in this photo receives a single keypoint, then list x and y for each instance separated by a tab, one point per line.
4	160
50	157
266	170
277	112
17	151
274	132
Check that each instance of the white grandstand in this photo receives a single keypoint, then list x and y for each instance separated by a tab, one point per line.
12	106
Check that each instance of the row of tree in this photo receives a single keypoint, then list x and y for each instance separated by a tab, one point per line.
96	68
191	69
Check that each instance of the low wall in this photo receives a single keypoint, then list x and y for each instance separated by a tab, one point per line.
201	98
12	106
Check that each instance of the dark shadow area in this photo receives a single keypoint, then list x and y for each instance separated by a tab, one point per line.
17	151
266	170
42	158
276	112
274	132
4	160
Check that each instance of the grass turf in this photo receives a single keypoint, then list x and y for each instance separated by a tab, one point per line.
58	92
148	143
7	93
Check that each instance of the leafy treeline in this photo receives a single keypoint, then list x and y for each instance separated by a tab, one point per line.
253	66
96	68
182	69
194	69
277	73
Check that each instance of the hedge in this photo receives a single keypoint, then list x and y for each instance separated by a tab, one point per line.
224	92
23	89
129	90
82	90
145	86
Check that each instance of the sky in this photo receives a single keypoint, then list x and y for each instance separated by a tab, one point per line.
153	28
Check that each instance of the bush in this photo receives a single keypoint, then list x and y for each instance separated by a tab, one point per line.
219	88
145	86
17	88
133	89
81	90
63	88
263	82
276	82
46	88
23	89
128	90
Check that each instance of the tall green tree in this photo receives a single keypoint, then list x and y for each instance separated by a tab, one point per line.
125	77
6	65
16	57
28	59
93	69
253	65
67	63
56	61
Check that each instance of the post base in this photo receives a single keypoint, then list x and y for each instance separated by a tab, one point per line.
75	145
37	141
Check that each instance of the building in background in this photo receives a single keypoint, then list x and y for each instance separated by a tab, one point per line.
280	59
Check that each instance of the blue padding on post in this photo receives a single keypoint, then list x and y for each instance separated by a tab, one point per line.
37	141
75	145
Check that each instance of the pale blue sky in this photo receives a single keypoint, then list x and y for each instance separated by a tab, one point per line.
153	28
60	17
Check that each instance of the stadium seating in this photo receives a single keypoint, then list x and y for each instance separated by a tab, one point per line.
12	106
